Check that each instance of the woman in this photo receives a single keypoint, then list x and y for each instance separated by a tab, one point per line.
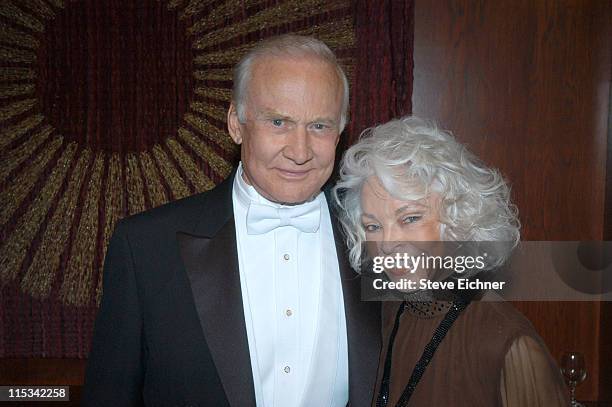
408	181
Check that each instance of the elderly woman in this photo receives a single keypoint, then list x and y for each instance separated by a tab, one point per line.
408	181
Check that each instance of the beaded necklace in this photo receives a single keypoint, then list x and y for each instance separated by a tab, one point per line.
451	316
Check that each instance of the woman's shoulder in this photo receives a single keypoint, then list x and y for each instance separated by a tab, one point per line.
497	322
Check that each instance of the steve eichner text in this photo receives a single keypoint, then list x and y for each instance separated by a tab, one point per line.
422	261
425	284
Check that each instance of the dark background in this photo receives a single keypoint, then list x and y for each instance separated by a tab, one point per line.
527	85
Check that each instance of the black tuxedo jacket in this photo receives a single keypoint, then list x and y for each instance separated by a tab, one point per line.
170	330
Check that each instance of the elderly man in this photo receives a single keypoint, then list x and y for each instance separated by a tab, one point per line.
243	295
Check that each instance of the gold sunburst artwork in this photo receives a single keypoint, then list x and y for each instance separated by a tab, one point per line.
85	136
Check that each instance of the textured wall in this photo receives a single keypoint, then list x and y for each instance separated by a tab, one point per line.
108	108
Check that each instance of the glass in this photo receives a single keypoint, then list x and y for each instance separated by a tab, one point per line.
574	372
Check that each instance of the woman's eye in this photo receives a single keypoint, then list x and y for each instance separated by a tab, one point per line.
371	228
277	122
411	219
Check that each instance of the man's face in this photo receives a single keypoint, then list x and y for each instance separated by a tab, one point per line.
289	138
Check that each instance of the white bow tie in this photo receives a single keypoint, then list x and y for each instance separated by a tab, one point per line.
264	218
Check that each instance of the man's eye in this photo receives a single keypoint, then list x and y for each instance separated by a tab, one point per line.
411	219
371	228
320	126
277	122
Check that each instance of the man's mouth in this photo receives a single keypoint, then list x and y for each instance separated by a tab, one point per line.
293	174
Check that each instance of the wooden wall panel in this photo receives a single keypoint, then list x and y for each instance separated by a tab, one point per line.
605	377
36	371
526	84
605	353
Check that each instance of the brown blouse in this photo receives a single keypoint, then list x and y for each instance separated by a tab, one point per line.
491	356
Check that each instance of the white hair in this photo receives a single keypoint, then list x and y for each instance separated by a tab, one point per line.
411	156
287	45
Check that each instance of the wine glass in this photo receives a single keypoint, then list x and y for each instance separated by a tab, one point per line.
574	371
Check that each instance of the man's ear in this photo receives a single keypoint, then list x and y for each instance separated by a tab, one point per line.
233	124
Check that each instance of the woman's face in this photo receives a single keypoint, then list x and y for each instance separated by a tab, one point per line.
387	219
392	224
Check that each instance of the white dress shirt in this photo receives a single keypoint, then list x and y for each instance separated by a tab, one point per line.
293	308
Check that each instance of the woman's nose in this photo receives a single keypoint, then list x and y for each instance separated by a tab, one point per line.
390	244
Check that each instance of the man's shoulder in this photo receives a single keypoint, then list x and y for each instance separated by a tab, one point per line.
172	210
183	213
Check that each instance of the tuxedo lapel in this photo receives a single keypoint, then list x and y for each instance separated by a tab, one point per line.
212	268
210	258
363	328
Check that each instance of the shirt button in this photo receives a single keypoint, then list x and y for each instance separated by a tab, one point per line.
287	369
286	257
288	312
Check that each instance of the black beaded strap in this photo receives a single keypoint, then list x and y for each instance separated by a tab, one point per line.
383	395
451	316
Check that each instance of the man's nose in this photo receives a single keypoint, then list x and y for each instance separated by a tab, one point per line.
298	149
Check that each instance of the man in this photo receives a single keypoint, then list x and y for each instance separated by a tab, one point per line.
242	295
